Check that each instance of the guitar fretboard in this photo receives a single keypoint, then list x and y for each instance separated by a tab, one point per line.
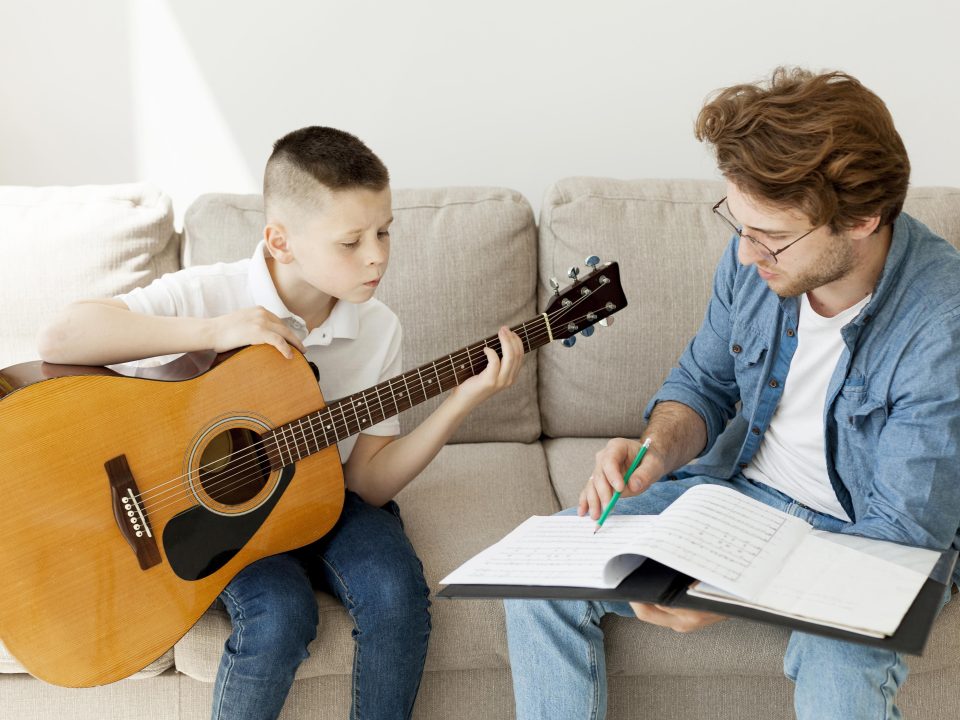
353	414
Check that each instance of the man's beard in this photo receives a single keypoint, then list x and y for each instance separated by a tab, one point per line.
836	261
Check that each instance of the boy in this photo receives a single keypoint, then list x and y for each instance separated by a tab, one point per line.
833	332
308	286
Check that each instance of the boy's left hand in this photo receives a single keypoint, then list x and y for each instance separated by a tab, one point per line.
499	374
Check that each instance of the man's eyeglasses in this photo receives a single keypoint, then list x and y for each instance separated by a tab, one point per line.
767	253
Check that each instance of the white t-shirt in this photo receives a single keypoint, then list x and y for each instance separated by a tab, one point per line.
792	456
356	347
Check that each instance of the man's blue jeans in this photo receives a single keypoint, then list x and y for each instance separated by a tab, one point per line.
367	562
557	656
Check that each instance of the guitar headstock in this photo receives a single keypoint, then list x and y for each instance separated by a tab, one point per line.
589	300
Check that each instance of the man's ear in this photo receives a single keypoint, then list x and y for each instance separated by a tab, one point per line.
278	245
865	228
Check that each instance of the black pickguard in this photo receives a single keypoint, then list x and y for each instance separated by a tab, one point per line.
199	542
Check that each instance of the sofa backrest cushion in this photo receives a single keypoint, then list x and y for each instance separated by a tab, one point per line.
463	263
667	242
62	244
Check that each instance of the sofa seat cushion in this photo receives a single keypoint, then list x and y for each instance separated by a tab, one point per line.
463	262
469	497
734	647
65	243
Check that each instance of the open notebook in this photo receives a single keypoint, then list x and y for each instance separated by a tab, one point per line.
744	553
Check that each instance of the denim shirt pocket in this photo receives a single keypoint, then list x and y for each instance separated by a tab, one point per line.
857	410
749	352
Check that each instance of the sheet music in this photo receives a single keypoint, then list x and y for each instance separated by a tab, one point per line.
561	550
831	583
724	538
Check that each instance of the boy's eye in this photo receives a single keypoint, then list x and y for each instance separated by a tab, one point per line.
350	244
383	234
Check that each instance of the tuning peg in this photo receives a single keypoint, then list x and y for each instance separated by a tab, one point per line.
592	262
607	321
587	331
555	286
569	342
573	272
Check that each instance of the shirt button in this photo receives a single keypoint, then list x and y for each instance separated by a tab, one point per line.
790	332
774	383
755	430
743	466
736	348
671	477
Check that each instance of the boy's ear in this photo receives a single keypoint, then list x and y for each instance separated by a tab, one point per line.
275	238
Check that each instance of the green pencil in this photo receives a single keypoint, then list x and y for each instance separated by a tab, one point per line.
626	477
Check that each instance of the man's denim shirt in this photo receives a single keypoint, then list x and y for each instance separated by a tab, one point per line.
892	415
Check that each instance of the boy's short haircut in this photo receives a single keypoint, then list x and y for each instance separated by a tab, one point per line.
333	158
822	144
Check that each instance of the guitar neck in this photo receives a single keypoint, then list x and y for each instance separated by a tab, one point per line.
355	413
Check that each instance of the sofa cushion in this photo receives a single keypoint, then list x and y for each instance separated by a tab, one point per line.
668	242
735	647
463	263
65	243
469	497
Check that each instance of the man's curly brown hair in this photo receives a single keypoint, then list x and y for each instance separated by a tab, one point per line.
822	144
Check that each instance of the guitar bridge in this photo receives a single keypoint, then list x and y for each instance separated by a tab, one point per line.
130	514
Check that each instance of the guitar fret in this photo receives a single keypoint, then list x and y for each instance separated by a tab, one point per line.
473	370
436	371
313	431
423	386
333	425
527	346
383	414
306	445
454	368
279	451
407	388
284	433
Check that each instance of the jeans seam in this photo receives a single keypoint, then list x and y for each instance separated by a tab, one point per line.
593	663
238	623
355	713
889	697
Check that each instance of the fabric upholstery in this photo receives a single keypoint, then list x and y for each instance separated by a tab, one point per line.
62	244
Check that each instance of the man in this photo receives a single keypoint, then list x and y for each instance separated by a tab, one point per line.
835	324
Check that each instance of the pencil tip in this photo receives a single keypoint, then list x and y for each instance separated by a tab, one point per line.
596	530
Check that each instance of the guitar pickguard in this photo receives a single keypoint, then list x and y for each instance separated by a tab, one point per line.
199	542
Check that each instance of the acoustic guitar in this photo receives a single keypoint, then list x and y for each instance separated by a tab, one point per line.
129	503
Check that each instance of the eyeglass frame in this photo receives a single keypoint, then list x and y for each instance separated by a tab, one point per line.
756	243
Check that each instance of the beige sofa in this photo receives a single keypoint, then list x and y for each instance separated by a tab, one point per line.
465	260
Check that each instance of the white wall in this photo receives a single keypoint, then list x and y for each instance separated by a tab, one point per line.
190	94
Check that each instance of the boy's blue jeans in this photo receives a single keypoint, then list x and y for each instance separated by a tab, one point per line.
557	655
367	562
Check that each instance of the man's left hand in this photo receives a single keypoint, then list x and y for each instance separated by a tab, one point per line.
679	619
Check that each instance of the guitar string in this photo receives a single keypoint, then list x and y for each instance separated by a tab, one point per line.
240	475
300	435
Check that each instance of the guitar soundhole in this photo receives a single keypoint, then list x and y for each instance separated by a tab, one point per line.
234	467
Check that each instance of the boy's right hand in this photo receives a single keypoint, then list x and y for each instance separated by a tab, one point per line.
253	326
611	463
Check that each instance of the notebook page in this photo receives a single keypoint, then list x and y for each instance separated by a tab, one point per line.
559	550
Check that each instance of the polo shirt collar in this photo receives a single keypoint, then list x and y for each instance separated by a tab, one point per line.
343	321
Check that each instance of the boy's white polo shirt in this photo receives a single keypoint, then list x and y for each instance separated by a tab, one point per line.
356	347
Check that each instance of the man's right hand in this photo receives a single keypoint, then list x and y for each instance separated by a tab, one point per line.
611	463
253	326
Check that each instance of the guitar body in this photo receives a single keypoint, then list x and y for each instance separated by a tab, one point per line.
85	600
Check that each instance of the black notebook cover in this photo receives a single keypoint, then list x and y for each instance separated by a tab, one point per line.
656	583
